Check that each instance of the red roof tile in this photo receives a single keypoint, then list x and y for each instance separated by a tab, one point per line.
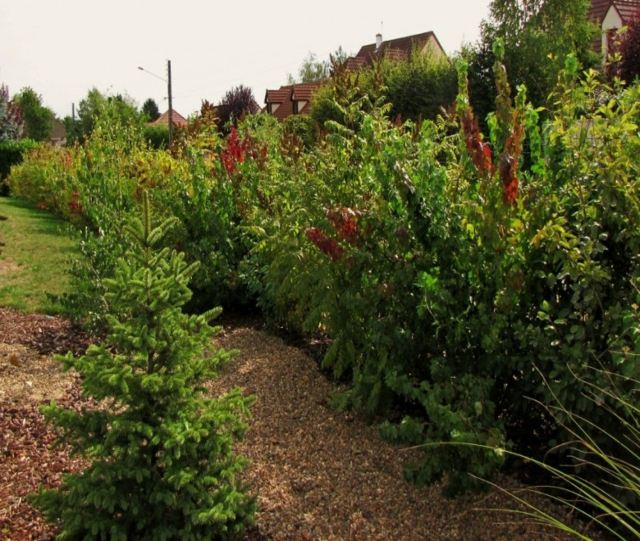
278	95
284	96
628	9
176	118
394	49
305	91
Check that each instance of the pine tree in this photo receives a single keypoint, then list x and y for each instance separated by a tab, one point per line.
162	465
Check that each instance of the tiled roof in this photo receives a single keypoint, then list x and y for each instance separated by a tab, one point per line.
355	63
176	118
284	97
279	95
628	9
394	49
305	91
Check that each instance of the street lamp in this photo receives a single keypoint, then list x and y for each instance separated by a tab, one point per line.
168	81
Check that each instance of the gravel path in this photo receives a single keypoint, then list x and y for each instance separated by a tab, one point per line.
323	475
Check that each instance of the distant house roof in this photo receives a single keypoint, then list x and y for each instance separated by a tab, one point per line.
176	118
398	49
58	131
627	9
282	102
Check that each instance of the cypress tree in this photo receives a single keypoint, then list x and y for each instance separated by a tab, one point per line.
162	465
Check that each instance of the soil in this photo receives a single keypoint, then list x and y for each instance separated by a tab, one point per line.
317	474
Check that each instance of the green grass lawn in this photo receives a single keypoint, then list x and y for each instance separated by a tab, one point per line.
35	261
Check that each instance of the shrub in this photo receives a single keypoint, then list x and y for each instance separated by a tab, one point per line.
161	450
11	153
156	136
420	88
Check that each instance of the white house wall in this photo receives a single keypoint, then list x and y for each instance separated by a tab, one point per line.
611	21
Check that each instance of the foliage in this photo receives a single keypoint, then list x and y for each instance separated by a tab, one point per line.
150	110
96	105
11	119
628	68
439	264
538	35
11	153
157	136
417	89
300	128
236	103
603	487
162	464
310	70
38	119
420	88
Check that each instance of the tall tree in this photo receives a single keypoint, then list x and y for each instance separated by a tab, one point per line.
150	109
236	103
11	122
96	104
38	119
313	69
538	35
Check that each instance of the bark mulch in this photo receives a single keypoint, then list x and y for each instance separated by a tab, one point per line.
317	474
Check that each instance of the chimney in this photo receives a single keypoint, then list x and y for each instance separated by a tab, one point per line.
378	40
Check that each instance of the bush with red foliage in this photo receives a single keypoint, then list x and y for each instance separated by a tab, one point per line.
510	160
345	221
326	245
479	151
234	152
629	49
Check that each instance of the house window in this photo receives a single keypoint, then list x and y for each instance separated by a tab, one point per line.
269	108
295	107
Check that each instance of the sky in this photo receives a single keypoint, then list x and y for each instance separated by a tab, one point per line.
63	48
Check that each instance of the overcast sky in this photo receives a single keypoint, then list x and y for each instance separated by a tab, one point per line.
62	48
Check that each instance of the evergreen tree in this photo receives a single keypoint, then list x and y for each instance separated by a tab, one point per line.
150	110
161	450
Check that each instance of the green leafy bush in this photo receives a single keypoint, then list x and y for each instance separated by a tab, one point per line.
162	465
157	136
11	153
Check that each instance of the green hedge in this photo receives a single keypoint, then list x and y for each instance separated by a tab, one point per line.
11	154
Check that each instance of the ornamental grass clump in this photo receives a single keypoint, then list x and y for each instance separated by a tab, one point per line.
162	465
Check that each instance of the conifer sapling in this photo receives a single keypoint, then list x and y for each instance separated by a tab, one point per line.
162	465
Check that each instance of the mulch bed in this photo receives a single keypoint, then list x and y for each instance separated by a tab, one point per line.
44	334
317	474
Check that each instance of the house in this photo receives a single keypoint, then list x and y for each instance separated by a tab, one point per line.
58	135
296	99
292	99
176	118
398	49
610	16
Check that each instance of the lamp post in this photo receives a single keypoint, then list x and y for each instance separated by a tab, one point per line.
168	81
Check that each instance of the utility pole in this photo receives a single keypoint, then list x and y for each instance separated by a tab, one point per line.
170	102
73	112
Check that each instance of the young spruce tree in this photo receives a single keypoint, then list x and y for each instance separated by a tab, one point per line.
162	465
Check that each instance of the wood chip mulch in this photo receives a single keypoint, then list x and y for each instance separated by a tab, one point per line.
42	333
317	474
